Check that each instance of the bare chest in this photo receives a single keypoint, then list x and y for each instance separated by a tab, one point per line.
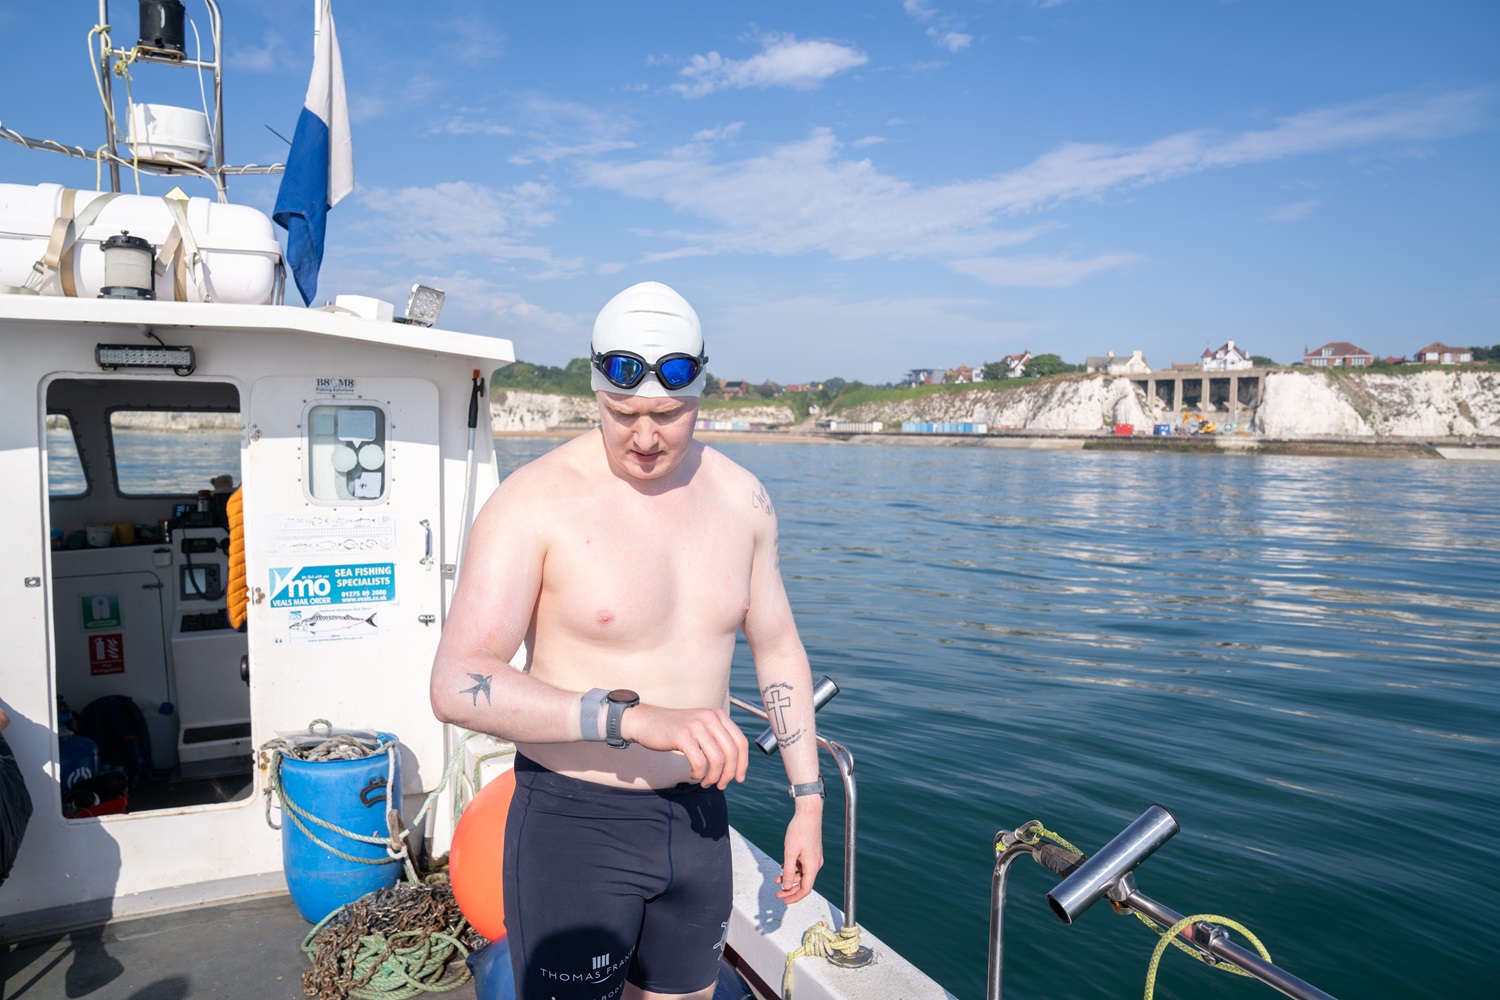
633	575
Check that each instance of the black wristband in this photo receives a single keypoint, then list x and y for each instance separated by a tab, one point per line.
619	700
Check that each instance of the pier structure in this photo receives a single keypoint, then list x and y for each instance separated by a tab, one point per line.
1235	394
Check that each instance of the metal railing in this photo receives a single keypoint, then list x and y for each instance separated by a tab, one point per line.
845	761
109	152
1108	875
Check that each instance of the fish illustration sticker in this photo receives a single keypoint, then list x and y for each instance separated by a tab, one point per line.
341	624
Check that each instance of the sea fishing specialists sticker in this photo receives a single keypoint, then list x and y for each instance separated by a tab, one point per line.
319	586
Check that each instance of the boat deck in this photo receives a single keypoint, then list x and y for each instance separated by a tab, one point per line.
247	950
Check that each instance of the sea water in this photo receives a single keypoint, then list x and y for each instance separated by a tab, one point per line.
1299	657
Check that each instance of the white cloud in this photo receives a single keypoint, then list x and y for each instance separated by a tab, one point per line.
432	226
944	33
563	129
810	195
953	41
784	62
1294	212
718	132
805	196
272	55
388	95
1040	272
869	140
464	125
480	305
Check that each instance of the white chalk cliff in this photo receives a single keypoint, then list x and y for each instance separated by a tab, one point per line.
511	410
1295	404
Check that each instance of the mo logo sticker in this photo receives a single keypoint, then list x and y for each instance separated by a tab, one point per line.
314	586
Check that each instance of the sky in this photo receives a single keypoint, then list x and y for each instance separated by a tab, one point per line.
858	189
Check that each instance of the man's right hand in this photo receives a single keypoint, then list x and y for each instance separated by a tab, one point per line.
716	750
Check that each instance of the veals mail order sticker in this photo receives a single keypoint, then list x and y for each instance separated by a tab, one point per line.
312	586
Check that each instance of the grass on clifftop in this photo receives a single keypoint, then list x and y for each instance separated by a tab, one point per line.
1381	368
865	394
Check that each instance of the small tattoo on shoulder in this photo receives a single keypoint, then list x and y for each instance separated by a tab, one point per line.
760	500
481	687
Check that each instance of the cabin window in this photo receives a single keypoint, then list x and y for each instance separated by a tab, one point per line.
346	453
150	457
65	475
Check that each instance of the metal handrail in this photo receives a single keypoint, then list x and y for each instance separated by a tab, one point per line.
845	761
220	169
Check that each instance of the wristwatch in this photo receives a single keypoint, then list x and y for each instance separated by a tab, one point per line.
807	788
619	700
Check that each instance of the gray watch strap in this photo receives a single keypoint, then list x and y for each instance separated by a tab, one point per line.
807	788
588	715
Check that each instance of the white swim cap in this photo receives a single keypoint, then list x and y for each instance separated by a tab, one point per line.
652	321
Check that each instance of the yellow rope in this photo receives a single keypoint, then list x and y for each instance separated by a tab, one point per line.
820	940
121	68
1031	832
1169	936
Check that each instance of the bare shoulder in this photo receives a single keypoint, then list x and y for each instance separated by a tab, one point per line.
532	491
736	484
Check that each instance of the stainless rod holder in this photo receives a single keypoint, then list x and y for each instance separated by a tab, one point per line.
1100	873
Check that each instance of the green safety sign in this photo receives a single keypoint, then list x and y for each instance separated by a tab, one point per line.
101	611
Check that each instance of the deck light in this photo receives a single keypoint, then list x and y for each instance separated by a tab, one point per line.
424	306
113	356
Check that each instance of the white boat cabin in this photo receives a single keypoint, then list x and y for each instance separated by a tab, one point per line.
351	439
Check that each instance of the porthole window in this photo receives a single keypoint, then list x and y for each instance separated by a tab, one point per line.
346	453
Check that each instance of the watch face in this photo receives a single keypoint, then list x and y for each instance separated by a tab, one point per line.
624	696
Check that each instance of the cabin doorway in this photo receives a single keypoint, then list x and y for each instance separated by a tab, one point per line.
153	704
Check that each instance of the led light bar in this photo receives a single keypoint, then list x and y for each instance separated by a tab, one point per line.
111	356
424	306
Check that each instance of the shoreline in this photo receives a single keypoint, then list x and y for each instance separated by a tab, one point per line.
1429	448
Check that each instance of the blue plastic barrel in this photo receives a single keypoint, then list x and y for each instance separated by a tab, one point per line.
351	795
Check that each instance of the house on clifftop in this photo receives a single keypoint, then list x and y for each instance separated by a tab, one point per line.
1337	354
1015	364
1438	353
1225	359
1112	365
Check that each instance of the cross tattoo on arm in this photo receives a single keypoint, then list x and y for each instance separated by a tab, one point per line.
778	699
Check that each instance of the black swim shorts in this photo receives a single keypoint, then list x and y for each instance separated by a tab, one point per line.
606	884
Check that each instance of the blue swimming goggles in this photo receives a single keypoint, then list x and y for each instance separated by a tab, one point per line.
625	370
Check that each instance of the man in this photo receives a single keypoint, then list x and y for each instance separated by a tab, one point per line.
627	560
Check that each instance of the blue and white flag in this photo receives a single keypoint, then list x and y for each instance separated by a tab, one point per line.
320	167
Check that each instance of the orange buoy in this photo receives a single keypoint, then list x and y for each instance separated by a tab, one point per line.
476	860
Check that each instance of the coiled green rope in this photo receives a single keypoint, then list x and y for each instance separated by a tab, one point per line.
390	944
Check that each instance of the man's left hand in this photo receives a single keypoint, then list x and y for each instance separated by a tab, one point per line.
804	853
